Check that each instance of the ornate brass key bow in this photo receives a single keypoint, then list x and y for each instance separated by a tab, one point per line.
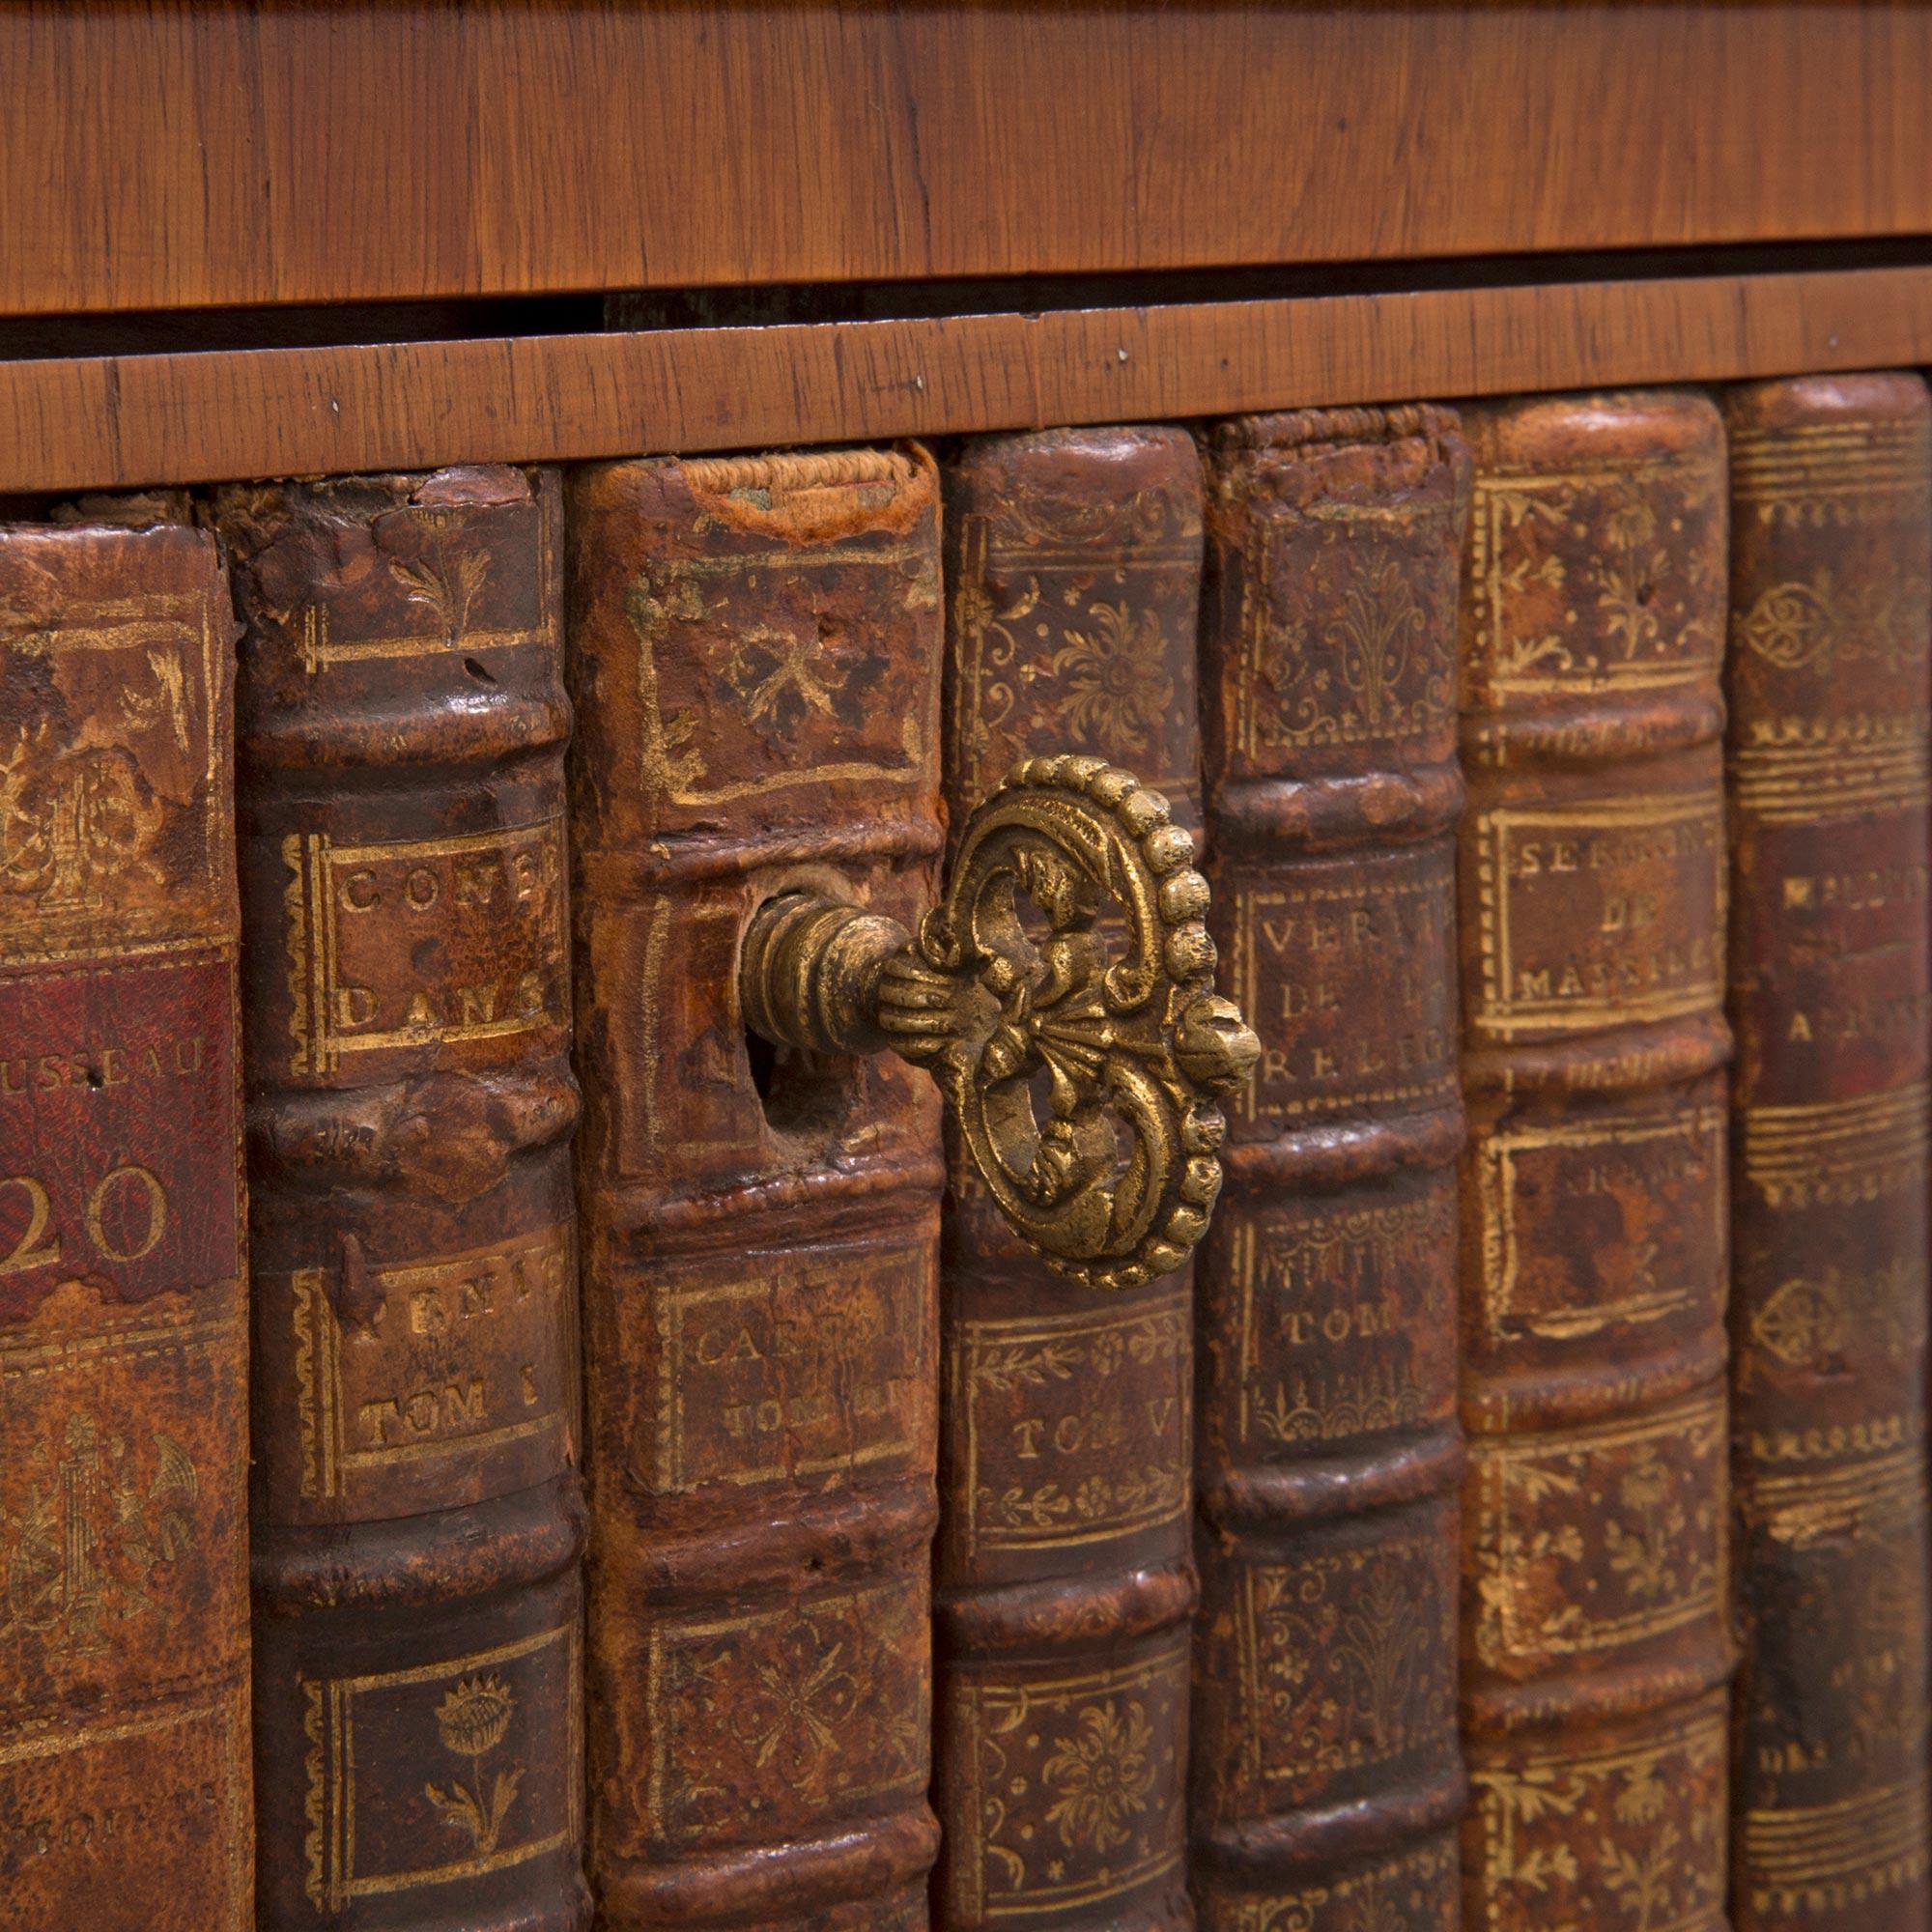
1083	1055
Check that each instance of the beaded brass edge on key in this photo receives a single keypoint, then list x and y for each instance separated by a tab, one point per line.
1128	1053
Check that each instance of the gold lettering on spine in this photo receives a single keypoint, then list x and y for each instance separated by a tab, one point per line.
1524	1295
1627	873
760	1381
1076	1426
404	1408
1315	1286
493	901
29	1251
1303	957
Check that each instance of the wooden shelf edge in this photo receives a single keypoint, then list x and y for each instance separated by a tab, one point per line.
111	422
211	154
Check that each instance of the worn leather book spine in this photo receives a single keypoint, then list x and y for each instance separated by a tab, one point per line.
755	649
1596	1652
123	1607
1327	1780
417	1520
1826	756
1065	1575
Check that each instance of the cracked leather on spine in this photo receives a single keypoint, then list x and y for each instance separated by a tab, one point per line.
1830	624
417	1520
755	648
1596	1648
1327	1780
124	1614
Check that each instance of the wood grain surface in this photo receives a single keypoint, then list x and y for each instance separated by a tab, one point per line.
102	422
185	153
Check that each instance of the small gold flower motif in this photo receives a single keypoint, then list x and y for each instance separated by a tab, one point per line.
1646	1484
471	1720
473	1717
1117	689
1092	1497
1632	522
1104	1776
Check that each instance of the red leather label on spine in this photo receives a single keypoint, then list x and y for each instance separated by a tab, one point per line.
117	1104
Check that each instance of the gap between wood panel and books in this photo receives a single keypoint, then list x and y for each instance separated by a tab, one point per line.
99	402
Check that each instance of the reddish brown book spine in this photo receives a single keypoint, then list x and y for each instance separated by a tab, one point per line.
417	1525
1327	1780
755	646
1064	1576
1595	1646
1829	687
123	1608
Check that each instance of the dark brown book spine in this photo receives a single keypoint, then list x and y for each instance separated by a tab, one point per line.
417	1525
1829	688
755	649
1595	1645
1065	1576
1327	1780
123	1608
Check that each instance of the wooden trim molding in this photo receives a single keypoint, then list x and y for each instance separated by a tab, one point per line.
177	154
126	420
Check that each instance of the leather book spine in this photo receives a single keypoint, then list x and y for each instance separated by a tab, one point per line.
1826	756
124	1612
1064	1574
417	1520
1327	1778
1596	1649
755	649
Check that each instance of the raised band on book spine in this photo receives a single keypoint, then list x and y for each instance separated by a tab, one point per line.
1829	688
1327	1780
1595	1643
418	1522
1065	1578
123	1609
754	657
